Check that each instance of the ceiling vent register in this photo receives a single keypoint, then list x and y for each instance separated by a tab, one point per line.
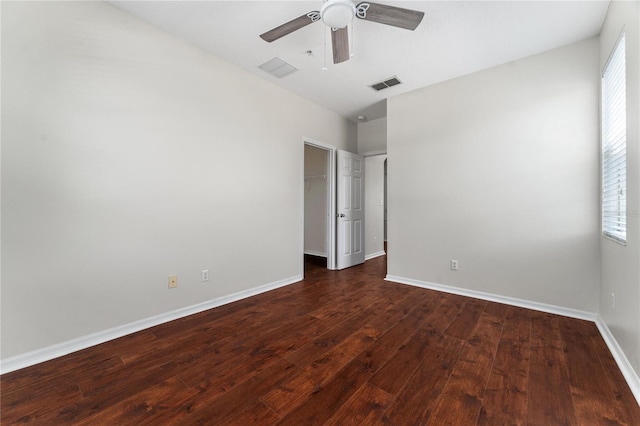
393	81
277	67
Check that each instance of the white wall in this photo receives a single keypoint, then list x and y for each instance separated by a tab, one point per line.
127	156
374	205
620	272
499	170
372	136
315	200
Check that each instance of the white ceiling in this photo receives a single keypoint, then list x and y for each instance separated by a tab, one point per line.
454	38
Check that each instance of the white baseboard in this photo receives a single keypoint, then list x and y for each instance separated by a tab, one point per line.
372	255
536	306
60	349
315	253
627	370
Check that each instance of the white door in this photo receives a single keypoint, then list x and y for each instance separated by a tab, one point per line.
350	211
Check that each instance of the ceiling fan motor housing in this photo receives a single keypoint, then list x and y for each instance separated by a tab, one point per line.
337	13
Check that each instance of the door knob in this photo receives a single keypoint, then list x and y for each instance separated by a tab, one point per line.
341	215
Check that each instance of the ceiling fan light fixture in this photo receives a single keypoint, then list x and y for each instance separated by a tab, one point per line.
337	13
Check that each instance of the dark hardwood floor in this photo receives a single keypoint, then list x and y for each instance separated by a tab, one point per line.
339	348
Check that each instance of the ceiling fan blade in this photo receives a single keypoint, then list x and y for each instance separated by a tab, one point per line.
340	44
291	26
390	15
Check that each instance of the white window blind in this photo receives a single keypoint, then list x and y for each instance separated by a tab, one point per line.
614	145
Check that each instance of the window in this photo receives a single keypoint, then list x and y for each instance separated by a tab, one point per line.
614	145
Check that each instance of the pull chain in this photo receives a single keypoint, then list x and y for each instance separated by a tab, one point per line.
324	68
352	41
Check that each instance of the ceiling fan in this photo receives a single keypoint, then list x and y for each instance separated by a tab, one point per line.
337	14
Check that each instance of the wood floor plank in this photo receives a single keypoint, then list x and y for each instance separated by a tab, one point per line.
446	312
227	334
414	403
586	371
395	310
258	414
98	381
412	321
461	327
357	299
505	398
498	310
35	406
221	365
549	395
148	406
124	384
393	375
292	392
224	407
365	407
225	371
212	405
324	401
381	316
343	329
364	351
593	409
461	399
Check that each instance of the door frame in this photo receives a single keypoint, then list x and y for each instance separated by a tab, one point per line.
331	201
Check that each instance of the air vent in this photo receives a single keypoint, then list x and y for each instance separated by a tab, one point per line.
386	84
277	67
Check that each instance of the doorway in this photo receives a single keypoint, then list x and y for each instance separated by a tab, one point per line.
376	206
318	193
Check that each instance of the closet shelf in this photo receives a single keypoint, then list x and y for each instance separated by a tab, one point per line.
315	177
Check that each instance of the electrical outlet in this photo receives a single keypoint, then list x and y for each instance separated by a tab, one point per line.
173	281
454	265
205	275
